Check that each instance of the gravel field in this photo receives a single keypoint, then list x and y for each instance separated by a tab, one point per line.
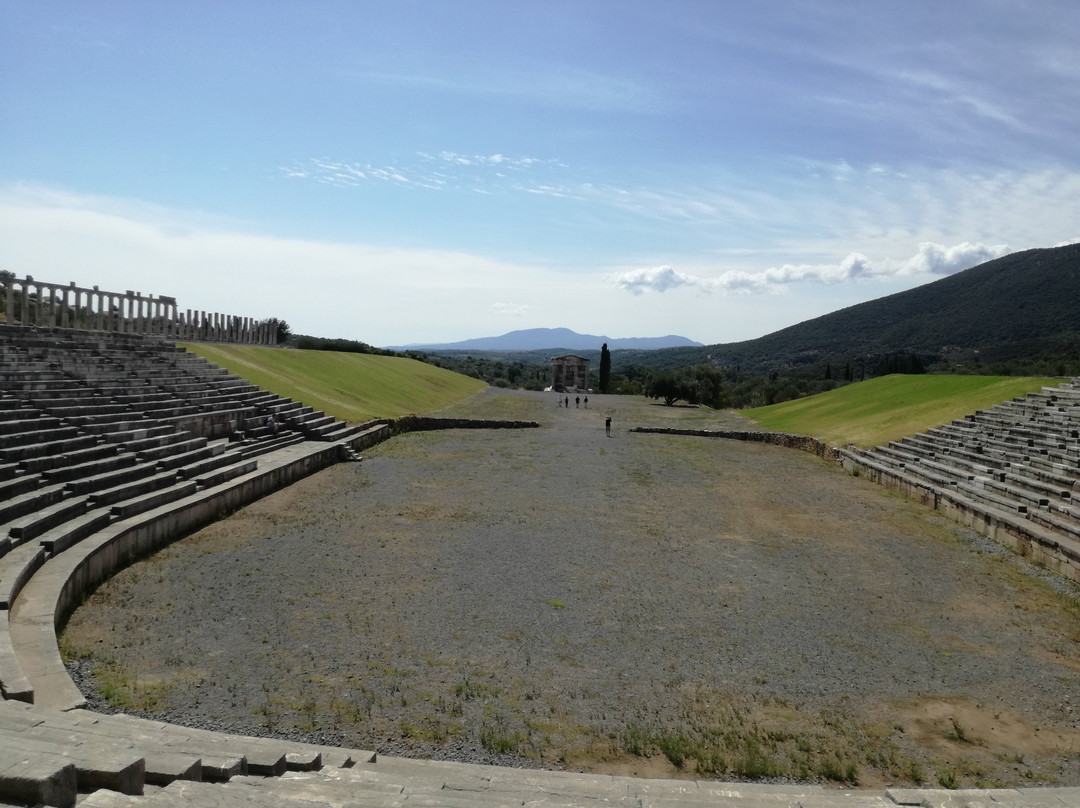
639	604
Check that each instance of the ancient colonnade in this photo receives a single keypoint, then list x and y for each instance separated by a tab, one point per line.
37	303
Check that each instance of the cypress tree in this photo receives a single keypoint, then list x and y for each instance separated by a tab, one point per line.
605	368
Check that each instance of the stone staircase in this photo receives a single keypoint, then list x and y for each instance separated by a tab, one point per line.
1010	472
77	757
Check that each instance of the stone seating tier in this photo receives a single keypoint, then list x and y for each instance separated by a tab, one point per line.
979	493
22	504
133	488
39	464
15	486
77	471
1021	457
50	432
111	479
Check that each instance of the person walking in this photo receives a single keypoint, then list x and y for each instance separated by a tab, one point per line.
607	426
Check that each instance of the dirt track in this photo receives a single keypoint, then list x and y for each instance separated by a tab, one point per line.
575	598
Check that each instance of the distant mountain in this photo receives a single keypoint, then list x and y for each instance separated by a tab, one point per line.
1019	306
536	339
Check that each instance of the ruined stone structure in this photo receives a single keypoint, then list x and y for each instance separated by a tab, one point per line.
109	449
52	305
570	372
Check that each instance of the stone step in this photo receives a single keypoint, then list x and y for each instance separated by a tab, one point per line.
235	754
148	502
31	779
24	504
141	399
36	423
226	796
133	489
226	473
81	729
15	486
112	479
16	568
173	448
73	531
95	452
45	445
204	466
271	444
122	772
134	422
86	413
15	688
78	471
164	435
39	522
131	437
20	444
187	458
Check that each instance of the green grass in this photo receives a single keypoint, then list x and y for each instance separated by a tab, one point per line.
350	386
874	412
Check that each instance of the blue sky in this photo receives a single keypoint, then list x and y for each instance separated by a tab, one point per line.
410	171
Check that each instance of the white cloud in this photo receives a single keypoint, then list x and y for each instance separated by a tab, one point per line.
658	279
931	259
936	259
510	309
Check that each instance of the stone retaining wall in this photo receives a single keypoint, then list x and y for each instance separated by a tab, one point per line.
417	423
800	442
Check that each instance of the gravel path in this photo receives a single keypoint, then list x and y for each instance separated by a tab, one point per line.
557	597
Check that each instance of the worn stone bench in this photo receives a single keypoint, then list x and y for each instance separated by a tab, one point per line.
23	504
34	423
78	471
185	444
42	520
16	486
131	489
40	778
43	441
111	479
16	568
224	473
97	451
131	507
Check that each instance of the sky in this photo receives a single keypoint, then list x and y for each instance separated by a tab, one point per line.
437	170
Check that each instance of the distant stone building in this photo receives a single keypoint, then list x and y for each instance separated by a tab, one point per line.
570	373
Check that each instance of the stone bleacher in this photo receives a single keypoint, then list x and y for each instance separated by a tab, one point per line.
97	426
100	426
108	438
1010	471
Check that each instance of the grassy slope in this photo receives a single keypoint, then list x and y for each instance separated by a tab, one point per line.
352	387
888	408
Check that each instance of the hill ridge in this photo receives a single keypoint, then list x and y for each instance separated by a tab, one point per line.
537	339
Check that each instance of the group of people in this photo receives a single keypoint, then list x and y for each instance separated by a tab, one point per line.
565	401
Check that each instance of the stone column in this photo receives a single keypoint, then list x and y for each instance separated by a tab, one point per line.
74	312
9	300
39	312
